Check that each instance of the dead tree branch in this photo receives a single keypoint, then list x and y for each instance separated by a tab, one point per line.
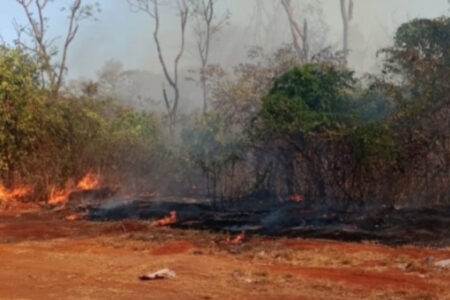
299	35
151	8
54	74
205	28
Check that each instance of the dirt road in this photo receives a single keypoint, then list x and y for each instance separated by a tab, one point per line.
43	256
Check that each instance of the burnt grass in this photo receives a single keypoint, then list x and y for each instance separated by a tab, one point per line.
420	226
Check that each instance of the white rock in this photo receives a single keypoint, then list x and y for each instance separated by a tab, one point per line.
161	274
443	264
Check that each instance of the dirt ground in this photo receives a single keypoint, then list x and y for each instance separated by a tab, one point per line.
43	256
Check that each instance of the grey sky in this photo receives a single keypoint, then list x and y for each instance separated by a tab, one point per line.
122	35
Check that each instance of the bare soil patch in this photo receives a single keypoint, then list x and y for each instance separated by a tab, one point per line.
43	256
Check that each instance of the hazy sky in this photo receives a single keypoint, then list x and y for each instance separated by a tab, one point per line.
122	35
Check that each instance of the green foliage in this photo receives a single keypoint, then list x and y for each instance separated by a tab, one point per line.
44	141
19	100
421	56
318	101
135	141
72	130
374	142
378	101
309	99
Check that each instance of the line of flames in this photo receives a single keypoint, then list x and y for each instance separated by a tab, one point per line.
170	220
89	182
10	195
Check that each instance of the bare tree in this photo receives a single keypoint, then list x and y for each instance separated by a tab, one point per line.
347	16
110	75
43	48
205	27
151	8
299	35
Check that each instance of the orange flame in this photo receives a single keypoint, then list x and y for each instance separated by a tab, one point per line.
59	197
90	181
77	217
238	240
297	198
9	195
172	219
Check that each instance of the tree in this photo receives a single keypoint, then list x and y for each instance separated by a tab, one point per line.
44	49
420	57
19	100
299	35
130	88
151	8
238	97
207	25
306	107
213	148
308	100
110	76
347	16
237	100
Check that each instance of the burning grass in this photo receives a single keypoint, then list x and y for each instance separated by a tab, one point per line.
237	241
91	181
58	197
170	220
12	195
77	217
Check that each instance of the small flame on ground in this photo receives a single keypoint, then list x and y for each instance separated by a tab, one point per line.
237	241
59	197
77	217
9	195
297	198
172	219
90	181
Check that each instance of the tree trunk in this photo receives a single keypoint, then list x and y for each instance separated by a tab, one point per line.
347	15
299	36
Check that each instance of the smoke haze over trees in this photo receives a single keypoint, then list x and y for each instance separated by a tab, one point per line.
121	35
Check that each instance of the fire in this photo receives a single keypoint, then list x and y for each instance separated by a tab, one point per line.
238	240
9	195
90	181
59	197
297	198
172	219
77	217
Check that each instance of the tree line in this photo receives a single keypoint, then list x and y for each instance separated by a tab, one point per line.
284	123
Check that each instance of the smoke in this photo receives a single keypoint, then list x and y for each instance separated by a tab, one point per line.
252	23
124	36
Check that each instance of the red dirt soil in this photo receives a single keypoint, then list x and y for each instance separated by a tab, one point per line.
43	256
